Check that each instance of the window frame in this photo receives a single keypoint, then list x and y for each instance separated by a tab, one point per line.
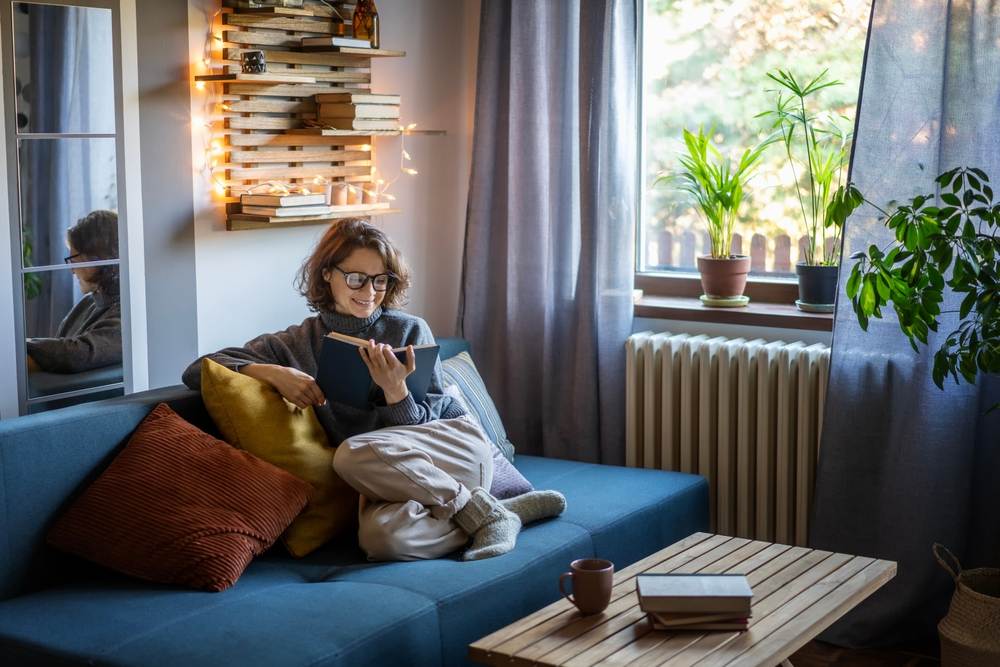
673	294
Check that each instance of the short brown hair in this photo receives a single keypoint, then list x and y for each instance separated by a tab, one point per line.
344	237
96	236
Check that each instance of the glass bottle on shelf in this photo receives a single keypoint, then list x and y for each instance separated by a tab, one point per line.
366	22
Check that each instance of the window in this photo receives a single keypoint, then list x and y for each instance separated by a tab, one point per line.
704	64
65	188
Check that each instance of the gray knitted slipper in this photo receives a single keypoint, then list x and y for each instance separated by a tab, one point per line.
493	528
536	505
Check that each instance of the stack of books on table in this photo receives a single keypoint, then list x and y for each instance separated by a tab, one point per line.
279	207
358	111
695	601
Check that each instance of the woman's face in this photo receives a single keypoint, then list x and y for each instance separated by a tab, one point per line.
361	302
85	276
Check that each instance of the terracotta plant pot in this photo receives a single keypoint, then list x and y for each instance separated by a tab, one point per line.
817	284
724	278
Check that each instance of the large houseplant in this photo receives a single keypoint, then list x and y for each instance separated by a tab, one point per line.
717	186
951	245
818	153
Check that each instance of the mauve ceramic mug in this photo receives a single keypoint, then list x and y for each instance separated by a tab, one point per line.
592	582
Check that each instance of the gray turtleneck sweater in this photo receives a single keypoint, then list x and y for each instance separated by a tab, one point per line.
90	336
299	346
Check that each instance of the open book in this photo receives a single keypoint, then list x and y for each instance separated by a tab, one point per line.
344	378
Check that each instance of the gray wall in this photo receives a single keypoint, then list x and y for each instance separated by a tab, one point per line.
167	204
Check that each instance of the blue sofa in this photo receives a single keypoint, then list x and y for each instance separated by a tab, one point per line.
330	608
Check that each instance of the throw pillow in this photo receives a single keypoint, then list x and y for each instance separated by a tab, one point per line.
177	506
253	416
507	480
462	372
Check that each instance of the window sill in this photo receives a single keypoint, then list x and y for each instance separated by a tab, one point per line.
758	314
675	297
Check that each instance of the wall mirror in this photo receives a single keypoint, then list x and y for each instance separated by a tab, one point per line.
64	98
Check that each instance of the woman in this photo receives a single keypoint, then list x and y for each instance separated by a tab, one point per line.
422	469
90	336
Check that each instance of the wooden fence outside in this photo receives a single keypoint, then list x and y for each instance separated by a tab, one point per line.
680	250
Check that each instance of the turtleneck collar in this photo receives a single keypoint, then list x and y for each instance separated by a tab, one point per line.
348	324
103	300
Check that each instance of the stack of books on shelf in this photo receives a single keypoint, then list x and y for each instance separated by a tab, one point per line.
358	111
334	43
695	601
282	207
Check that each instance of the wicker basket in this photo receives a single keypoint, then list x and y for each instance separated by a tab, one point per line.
970	632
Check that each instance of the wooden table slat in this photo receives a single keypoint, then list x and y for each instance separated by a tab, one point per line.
805	620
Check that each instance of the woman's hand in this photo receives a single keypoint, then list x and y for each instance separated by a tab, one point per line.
387	371
297	387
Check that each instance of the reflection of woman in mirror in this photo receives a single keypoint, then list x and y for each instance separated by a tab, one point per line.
90	336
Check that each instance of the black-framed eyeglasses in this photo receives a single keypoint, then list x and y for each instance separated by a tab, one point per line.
69	260
356	280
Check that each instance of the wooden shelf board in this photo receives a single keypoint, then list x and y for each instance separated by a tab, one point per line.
254	78
324	132
329	132
355	51
235	224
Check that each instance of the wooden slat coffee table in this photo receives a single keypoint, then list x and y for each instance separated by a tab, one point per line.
797	593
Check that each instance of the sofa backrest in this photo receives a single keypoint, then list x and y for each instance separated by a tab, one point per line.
47	458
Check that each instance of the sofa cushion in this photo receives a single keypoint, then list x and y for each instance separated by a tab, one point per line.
460	371
267	618
253	416
178	506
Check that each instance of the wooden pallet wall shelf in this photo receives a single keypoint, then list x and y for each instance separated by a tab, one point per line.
263	134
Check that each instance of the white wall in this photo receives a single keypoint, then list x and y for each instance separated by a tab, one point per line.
244	279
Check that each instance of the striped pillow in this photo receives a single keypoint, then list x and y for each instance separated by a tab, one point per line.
461	372
177	506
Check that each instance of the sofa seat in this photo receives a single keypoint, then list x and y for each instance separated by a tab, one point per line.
263	620
335	608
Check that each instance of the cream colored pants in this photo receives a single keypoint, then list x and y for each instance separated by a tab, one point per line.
412	480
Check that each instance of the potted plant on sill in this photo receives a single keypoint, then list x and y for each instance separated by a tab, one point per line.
959	239
718	188
818	153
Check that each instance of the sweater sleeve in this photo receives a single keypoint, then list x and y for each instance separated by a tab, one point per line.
436	404
272	348
97	346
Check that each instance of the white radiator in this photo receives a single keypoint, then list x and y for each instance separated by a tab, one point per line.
745	414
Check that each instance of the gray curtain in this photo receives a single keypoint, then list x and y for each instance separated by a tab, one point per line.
903	464
547	279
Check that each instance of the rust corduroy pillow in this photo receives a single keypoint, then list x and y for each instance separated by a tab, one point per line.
180	507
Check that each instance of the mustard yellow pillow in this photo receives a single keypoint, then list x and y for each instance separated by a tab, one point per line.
252	416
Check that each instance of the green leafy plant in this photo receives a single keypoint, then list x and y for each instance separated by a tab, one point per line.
717	186
953	245
32	281
818	152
